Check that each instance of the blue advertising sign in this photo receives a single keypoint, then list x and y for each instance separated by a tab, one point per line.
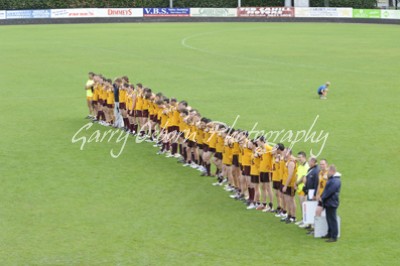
166	12
45	13
21	14
11	14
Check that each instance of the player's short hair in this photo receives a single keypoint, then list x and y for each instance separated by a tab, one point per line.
184	103
314	159
140	85
302	153
125	78
324	160
280	147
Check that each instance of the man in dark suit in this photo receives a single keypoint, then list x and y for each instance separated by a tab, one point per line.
330	201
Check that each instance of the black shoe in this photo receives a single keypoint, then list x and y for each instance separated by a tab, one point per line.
310	233
309	227
326	237
331	240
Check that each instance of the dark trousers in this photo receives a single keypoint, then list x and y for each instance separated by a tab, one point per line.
332	222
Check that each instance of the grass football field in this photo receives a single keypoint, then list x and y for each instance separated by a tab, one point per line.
60	205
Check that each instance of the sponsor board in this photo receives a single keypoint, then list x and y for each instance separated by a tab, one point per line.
323	12
390	14
119	12
41	13
166	12
18	14
2	14
301	3
213	12
73	13
265	12
366	13
382	3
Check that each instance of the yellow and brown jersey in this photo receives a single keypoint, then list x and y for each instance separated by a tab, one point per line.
322	179
227	155
246	156
220	144
276	170
255	164
139	102
266	160
285	175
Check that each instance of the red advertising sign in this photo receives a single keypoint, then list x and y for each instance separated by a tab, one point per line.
266	12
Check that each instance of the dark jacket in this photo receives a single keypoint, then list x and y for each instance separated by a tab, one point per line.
330	196
116	93
312	179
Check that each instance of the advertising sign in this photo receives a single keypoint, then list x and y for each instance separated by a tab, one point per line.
390	14
41	13
166	12
73	13
265	12
18	14
213	12
323	12
366	13
119	12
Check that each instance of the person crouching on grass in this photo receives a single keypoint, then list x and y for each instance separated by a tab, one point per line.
323	90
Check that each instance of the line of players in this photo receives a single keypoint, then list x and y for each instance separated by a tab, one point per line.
251	169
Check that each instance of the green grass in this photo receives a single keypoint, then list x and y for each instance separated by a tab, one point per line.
63	206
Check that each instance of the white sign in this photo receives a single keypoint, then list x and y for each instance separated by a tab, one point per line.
323	12
321	226
73	13
383	3
301	3
2	14
309	208
119	12
390	14
213	12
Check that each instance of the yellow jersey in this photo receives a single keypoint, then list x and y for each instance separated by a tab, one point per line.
89	92
322	179
255	165
246	156
227	155
213	140
110	97
220	144
199	136
285	175
139	103
266	160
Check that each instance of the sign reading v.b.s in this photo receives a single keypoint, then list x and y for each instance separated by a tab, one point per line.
166	12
